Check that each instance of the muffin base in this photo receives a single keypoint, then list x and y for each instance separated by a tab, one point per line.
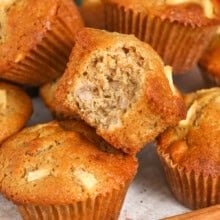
194	190
179	45
106	207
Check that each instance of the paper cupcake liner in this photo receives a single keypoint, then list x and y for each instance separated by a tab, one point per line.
179	45
47	60
106	207
209	78
194	190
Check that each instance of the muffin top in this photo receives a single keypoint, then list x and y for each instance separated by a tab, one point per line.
210	59
71	160
24	24
194	143
193	12
15	110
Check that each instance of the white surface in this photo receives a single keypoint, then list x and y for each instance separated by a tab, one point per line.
149	197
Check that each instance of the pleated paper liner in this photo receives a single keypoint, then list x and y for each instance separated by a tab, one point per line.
194	190
209	78
103	207
48	60
179	46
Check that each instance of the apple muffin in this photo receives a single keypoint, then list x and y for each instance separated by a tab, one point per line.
179	30
120	86
190	152
36	38
53	173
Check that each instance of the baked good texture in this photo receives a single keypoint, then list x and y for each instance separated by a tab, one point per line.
47	93
92	12
190	152
36	38
15	110
120	86
209	62
178	30
53	173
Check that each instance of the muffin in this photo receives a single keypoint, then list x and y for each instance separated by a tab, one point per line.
92	12
47	93
85	179
119	85
15	110
209	63
36	39
178	30
190	152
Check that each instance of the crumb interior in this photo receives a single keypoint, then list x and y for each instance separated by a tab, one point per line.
109	85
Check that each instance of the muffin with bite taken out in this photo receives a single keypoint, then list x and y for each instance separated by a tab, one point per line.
120	86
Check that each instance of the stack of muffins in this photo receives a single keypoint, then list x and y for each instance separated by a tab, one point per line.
110	94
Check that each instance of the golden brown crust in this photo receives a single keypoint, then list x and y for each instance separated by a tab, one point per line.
187	14
158	108
17	110
194	143
73	163
47	93
34	42
209	62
